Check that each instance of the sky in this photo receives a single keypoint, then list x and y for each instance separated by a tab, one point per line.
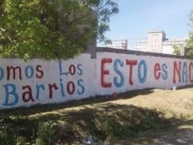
137	17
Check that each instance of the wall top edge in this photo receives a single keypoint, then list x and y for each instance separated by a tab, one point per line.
104	49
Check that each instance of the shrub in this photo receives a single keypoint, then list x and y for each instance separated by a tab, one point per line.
45	134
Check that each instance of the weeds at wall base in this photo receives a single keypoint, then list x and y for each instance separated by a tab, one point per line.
65	127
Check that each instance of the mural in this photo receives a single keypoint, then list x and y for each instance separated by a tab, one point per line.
42	82
123	72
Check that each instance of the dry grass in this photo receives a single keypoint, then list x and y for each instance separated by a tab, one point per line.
136	115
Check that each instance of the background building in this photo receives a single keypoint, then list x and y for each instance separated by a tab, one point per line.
141	45
168	46
118	44
158	43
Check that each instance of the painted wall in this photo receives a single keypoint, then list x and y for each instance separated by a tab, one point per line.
124	72
42	82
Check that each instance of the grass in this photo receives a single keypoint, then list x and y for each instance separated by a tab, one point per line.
61	124
112	121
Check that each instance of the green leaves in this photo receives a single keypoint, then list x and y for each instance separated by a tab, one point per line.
190	41
177	50
50	29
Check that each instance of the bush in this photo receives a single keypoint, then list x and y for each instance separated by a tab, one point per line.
45	134
7	136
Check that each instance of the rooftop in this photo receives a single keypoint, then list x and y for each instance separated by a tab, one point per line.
156	31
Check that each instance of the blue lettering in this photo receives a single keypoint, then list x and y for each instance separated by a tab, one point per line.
185	73
60	68
116	82
10	92
142	76
62	88
165	73
80	84
79	68
38	88
29	72
2	73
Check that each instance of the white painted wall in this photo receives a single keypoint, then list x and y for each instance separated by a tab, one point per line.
82	79
166	66
87	79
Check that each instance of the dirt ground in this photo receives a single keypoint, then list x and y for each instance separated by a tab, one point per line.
177	106
177	103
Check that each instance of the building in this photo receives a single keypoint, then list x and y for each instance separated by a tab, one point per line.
141	45
118	44
168	46
158	43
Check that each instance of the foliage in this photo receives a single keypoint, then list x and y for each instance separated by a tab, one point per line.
189	51
51	29
45	134
121	122
7	136
177	50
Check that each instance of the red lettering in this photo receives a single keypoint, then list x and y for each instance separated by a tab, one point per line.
40	71
177	69
28	93
105	72
131	63
72	69
157	72
52	87
72	86
191	72
9	68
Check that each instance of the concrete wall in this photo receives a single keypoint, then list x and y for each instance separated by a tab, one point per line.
43	82
124	72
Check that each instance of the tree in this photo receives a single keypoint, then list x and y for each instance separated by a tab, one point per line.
189	51
177	50
52	29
